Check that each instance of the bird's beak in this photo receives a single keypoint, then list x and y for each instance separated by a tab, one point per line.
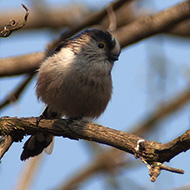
113	57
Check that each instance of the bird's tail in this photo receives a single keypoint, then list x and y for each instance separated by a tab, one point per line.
40	141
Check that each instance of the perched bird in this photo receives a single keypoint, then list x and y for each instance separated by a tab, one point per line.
75	81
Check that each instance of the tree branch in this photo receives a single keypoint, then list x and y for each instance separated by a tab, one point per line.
49	17
89	21
28	173
182	29
21	64
129	34
14	25
131	146
150	152
151	25
161	112
14	96
155	169
5	143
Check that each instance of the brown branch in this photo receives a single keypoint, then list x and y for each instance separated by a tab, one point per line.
151	25
150	152
89	21
78	130
14	25
29	63
21	64
28	173
112	18
183	187
182	29
129	34
14	96
101	163
155	169
56	18
5	143
163	111
49	17
106	161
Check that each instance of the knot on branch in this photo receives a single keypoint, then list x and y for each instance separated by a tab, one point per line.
143	147
151	153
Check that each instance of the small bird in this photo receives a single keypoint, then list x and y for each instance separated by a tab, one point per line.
75	82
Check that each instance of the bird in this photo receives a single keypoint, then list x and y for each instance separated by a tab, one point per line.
75	81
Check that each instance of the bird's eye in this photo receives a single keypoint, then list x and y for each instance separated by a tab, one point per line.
101	45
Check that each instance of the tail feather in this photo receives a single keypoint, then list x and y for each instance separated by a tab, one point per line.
38	142
35	145
49	148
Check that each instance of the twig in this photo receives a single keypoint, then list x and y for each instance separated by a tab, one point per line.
5	143
14	25
151	25
142	128
28	173
55	17
14	96
102	163
131	33
112	18
163	110
151	152
92	20
182	29
21	64
155	169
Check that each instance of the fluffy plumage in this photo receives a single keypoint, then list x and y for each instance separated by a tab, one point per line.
76	80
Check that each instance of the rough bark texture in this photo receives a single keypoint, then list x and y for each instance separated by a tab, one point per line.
150	151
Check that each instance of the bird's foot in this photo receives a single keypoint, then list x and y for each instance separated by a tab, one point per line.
42	116
71	119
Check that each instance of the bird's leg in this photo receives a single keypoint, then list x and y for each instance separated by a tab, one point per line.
72	118
42	116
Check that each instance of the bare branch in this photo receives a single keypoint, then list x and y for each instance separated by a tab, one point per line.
129	34
150	152
50	17
162	111
14	25
5	143
89	21
78	130
14	96
105	161
112	18
28	173
154	31
155	169
151	25
21	64
182	29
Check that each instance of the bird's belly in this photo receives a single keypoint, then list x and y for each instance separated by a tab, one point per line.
83	99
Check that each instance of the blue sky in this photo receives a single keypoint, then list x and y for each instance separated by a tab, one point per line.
131	102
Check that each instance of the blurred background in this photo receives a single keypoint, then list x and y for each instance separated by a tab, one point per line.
148	75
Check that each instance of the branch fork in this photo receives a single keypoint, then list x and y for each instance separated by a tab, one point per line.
153	154
155	167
